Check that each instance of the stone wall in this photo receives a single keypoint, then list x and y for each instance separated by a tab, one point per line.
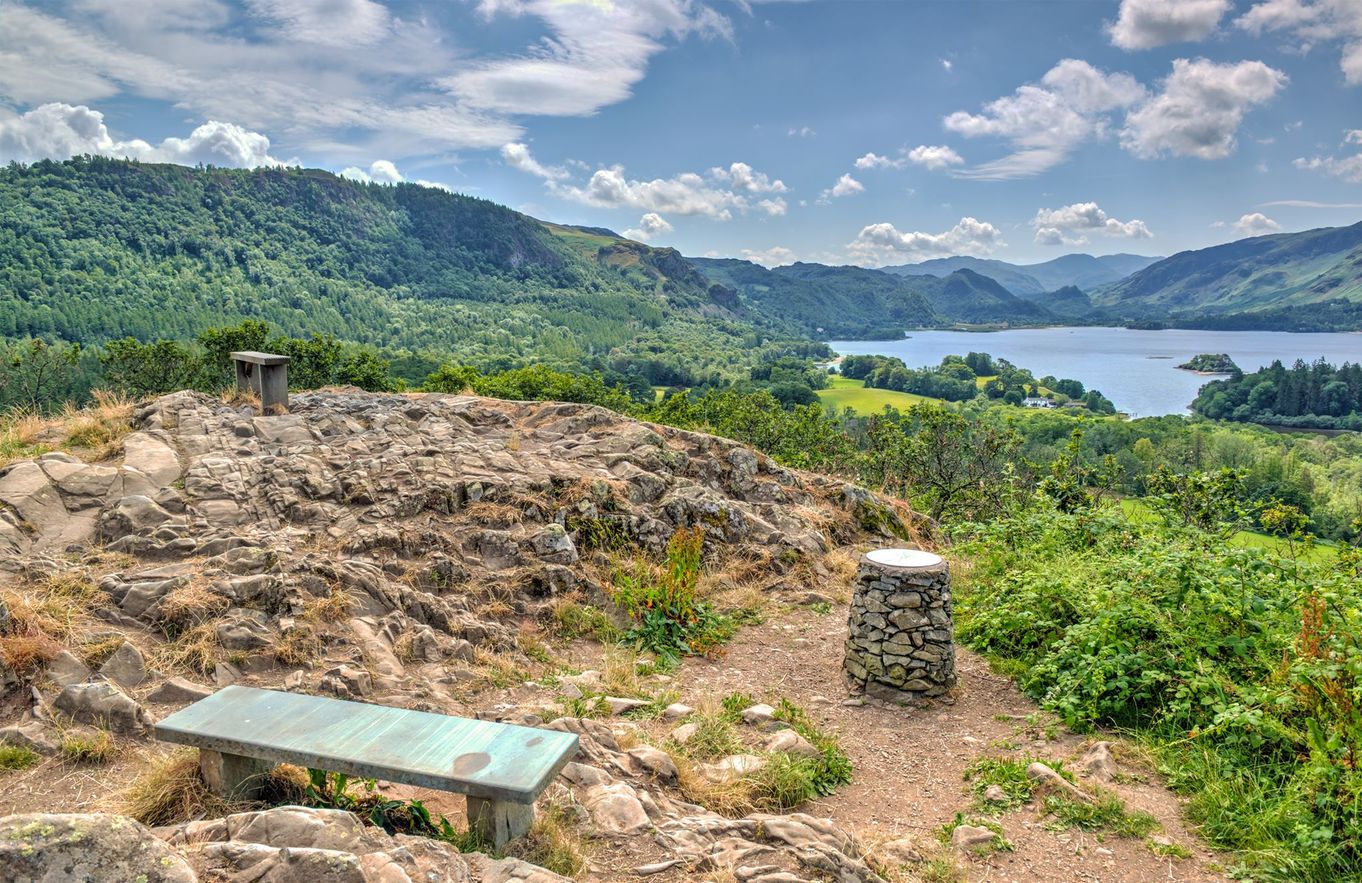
901	640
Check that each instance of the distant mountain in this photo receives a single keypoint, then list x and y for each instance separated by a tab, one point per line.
1307	280
1069	303
1079	270
855	302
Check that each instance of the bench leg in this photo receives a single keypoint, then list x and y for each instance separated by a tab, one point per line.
499	821
233	776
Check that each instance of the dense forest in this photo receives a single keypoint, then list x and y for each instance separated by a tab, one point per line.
93	250
1313	396
959	378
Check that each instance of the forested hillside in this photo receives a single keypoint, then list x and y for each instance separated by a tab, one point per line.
93	250
1287	281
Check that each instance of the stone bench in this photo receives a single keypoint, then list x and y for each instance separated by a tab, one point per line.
242	732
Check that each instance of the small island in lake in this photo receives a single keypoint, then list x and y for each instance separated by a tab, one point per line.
1210	363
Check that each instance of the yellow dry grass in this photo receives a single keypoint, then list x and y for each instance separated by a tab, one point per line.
45	615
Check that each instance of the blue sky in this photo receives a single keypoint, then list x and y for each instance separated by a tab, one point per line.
838	131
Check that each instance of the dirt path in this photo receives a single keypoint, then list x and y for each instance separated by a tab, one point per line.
909	763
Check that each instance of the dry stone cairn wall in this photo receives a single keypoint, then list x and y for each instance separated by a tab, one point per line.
900	643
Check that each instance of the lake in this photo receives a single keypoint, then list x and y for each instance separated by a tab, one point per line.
1135	369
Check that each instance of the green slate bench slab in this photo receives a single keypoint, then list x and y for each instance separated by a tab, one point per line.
241	732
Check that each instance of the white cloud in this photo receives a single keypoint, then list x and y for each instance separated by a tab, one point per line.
1070	224
1144	24
1349	168
595	54
934	157
773	207
518	157
947	64
1199	108
883	242
775	256
1310	203
744	179
382	171
650	225
60	131
341	23
1046	121
801	132
875	161
1312	22
1256	224
845	186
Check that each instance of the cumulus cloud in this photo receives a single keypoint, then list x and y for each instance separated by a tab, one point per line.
1071	225
934	157
518	157
1256	224
382	171
595	54
883	242
1144	24
875	161
744	179
1312	22
775	256
650	225
845	186
1046	121
60	131
1199	108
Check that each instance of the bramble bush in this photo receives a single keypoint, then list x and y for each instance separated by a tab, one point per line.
1242	667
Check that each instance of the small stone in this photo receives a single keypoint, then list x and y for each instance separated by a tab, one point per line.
899	852
1047	779
1097	762
968	838
676	711
655	761
619	705
65	669
790	742
995	794
684	733
177	691
759	714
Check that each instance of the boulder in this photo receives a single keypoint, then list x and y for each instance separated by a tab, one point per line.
85	848
104	704
615	808
1098	763
655	762
65	669
125	667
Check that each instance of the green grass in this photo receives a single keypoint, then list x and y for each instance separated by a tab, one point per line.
842	392
14	757
1138	512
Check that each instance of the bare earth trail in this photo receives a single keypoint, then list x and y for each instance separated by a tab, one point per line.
909	763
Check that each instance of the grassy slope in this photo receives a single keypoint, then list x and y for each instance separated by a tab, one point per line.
1137	510
843	392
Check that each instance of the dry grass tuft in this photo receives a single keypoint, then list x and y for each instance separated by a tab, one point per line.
91	749
188	606
554	842
99	427
95	652
169	791
21	435
334	607
490	514
45	615
299	645
195	649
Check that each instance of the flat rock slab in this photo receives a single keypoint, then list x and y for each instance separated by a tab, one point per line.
477	758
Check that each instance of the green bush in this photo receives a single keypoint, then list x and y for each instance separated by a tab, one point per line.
669	619
1240	666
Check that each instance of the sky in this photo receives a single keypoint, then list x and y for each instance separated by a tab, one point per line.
871	132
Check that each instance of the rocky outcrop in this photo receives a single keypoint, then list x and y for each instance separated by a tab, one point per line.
85	848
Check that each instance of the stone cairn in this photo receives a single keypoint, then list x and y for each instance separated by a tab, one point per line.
901	640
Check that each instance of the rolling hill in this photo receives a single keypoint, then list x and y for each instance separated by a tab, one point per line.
94	249
1284	280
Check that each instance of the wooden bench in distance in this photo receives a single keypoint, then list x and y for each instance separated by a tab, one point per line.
242	732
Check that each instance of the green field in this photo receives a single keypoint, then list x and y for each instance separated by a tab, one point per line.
1137	510
845	393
